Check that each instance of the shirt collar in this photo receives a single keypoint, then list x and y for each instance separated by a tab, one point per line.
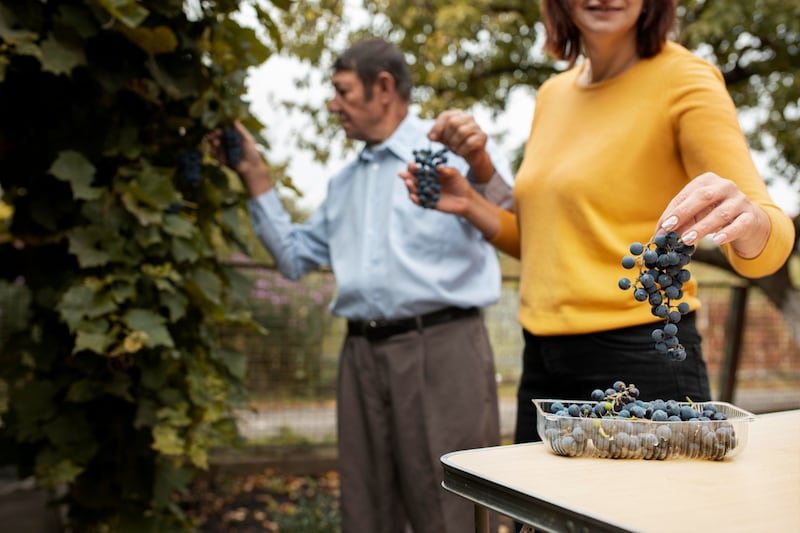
402	143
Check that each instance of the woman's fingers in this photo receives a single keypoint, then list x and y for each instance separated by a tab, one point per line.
708	205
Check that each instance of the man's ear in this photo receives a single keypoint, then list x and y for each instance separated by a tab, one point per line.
385	86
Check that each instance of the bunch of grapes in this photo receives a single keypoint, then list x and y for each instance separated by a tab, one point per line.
617	424
232	145
661	275
428	186
190	167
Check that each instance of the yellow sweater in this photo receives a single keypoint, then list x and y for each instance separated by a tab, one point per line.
600	166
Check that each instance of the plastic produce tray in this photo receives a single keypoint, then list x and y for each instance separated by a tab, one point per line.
631	438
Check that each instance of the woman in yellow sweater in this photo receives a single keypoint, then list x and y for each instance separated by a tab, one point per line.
638	138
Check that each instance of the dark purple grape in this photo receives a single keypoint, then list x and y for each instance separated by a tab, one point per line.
232	145
660	283
190	167
173	208
428	186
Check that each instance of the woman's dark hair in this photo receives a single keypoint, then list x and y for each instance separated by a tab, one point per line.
564	39
370	57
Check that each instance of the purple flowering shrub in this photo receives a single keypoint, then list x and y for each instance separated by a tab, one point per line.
286	360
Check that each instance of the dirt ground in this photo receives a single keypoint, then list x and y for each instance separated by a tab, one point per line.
270	502
264	502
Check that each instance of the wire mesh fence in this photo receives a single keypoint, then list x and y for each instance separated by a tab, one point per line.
292	374
292	367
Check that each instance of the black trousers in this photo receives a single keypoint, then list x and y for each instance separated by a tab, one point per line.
569	367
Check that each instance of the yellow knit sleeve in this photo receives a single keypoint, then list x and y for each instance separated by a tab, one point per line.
507	238
775	252
710	139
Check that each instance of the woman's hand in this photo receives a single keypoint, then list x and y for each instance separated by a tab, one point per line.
712	205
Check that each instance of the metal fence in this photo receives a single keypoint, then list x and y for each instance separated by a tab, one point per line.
293	369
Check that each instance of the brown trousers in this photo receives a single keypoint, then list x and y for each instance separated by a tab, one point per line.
403	403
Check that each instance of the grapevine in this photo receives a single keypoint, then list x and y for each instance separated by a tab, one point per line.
428	186
661	276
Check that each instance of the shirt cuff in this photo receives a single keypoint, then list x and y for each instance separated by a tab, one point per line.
496	190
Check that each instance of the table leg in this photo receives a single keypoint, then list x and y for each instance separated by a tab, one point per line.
481	519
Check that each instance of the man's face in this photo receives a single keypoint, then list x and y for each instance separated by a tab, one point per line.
358	116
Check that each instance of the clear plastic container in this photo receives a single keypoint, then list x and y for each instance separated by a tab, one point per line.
641	438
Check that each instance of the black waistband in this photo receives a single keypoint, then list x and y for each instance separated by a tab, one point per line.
375	330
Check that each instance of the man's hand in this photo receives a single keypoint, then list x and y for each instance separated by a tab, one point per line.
251	167
455	193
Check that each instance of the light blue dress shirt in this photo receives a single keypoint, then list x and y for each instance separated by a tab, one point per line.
390	257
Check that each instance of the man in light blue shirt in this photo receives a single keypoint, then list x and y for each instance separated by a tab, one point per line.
416	375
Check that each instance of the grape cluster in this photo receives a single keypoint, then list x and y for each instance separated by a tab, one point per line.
190	167
232	145
618	425
428	186
661	275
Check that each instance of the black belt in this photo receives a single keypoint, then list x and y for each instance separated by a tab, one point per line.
376	330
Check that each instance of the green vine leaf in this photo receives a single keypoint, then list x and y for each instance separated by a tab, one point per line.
153	41
75	169
175	303
149	191
24	42
198	454
55	474
170	478
91	341
208	283
235	362
179	227
185	251
73	303
129	12
167	440
59	57
151	324
144	214
84	245
81	301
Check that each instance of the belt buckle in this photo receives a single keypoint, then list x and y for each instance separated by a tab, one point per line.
371	330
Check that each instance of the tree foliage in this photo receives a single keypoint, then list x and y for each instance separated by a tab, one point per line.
114	384
756	44
465	52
